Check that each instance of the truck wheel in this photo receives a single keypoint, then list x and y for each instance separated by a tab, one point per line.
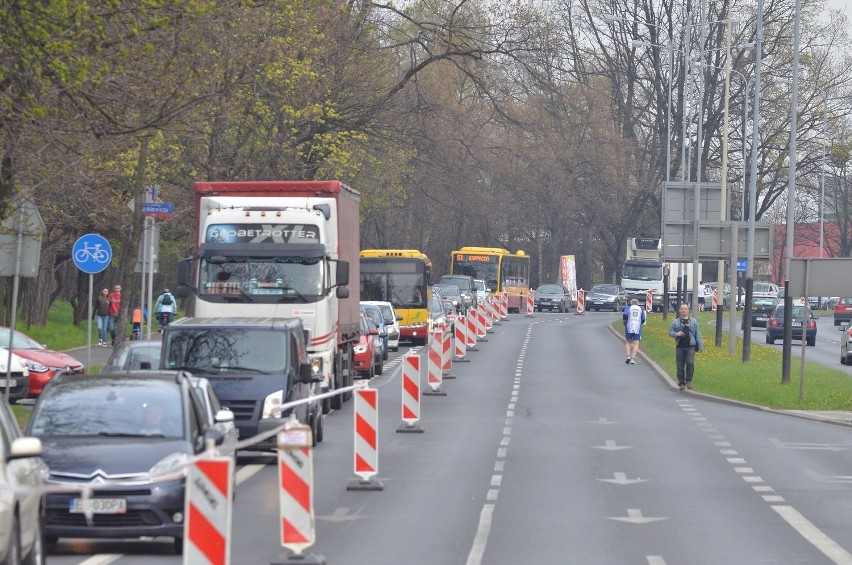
337	399
350	375
326	405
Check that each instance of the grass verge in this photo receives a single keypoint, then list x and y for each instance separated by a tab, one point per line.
756	382
59	333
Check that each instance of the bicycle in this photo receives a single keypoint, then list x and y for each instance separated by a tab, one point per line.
95	254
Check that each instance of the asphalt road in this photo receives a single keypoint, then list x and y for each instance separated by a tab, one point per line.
549	449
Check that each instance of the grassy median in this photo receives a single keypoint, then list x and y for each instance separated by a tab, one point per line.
756	382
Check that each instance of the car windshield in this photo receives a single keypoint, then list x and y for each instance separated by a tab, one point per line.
461	282
109	407
798	312
19	342
217	349
387	313
480	285
131	356
449	290
374	314
549	289
605	289
435	306
763	288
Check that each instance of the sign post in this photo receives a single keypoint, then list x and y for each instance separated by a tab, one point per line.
92	254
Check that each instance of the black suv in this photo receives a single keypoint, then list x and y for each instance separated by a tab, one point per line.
254	365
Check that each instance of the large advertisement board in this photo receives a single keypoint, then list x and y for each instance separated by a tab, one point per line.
568	273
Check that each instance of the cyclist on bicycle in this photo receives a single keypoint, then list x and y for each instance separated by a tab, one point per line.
138	315
166	307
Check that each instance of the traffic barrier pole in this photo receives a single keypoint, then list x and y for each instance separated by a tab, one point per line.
434	373
366	440
447	355
480	325
208	510
581	302
471	331
493	311
410	395
714	304
531	304
296	492
460	349
486	317
504	305
649	300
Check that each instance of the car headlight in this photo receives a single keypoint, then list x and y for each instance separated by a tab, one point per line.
316	365
36	367
271	403
360	348
170	464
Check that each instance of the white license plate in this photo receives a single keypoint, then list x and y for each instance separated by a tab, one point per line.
12	383
99	505
598	302
761	318
797	324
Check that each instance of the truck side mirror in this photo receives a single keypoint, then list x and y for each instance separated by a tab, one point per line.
183	272
306	373
341	275
342	292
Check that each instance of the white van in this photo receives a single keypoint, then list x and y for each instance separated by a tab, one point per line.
391	322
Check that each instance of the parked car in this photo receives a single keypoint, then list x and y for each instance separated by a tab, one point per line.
42	363
450	314
21	506
138	428
436	313
821	302
481	291
466	286
843	310
18	376
551	297
761	309
367	361
802	316
766	289
134	356
374	313
452	293
606	296
846	344
391	320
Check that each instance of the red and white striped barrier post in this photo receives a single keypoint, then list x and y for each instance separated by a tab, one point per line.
447	355
493	311
714	304
296	492
581	302
531	304
460	348
208	509
434	372
486	317
480	325
366	440
649	300
470	332
504	305
410	395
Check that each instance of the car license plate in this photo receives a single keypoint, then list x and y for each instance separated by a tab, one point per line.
598	302
99	505
797	324
12	383
761	318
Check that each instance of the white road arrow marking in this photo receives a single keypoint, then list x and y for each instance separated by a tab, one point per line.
634	516
811	446
609	445
603	421
621	479
340	515
829	478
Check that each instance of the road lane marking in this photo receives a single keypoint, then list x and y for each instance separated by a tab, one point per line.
481	538
656	560
248	472
610	445
634	516
814	535
621	479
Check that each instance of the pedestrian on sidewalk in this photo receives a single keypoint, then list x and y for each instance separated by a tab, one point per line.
687	341
114	306
702	291
102	316
634	319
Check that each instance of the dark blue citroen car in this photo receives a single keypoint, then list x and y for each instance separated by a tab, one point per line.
128	437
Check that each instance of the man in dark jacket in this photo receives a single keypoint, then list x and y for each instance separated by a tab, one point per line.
687	341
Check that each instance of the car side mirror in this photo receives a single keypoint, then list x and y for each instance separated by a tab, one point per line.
224	416
398	318
841	329
373	331
306	373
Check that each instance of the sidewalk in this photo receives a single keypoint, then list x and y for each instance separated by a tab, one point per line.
100	354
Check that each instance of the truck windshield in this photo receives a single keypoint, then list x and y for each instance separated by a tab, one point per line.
300	278
218	349
638	273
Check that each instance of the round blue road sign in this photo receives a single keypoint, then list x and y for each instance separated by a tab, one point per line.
92	253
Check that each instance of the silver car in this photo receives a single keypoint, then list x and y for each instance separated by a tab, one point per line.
21	510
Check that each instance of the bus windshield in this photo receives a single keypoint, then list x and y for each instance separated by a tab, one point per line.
402	283
482	267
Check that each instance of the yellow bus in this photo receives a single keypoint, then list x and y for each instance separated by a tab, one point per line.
402	277
500	269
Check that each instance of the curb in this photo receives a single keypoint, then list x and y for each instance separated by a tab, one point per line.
668	380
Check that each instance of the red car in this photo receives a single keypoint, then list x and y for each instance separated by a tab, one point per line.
365	355
843	311
43	363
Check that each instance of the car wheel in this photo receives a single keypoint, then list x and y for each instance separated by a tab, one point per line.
395	349
178	545
812	341
380	368
385	355
842	359
326	405
50	543
36	555
769	340
371	373
320	428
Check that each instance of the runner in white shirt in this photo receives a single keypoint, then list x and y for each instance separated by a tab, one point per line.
634	319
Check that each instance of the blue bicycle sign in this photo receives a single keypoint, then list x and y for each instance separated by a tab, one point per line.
92	253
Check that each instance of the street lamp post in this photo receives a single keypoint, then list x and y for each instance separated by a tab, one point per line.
822	174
